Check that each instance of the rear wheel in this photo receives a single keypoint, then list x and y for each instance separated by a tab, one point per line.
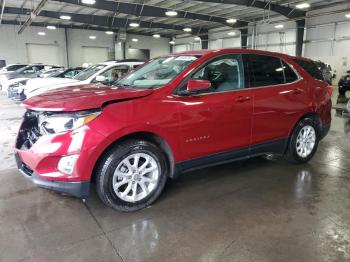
131	175
303	142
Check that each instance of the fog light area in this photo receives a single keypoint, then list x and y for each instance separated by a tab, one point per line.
67	163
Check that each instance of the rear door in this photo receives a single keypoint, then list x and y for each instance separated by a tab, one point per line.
279	98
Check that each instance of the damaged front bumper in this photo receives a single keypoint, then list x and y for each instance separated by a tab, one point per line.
38	156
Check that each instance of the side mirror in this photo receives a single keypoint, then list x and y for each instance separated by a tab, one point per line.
100	79
194	86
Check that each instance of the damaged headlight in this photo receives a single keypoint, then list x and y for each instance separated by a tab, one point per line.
62	122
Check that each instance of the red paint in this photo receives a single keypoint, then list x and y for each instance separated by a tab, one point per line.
192	126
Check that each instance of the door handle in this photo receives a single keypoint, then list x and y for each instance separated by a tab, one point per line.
242	99
298	91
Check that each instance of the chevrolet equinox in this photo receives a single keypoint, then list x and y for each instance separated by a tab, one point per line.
174	114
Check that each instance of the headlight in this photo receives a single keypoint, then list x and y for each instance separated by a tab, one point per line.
61	122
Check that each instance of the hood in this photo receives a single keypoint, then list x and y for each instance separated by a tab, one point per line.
82	97
51	80
16	80
48	83
6	84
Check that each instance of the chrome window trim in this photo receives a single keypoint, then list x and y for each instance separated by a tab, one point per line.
237	90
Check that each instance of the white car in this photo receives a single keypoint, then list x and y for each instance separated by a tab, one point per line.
47	73
106	72
29	71
11	67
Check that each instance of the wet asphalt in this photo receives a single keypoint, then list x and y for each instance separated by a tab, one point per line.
253	210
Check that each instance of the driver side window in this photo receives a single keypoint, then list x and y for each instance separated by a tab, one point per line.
225	73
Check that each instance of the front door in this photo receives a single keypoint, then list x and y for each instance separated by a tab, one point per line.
219	119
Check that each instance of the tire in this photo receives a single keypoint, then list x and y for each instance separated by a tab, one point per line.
295	153
113	169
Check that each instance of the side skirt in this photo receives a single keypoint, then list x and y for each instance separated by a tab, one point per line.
272	147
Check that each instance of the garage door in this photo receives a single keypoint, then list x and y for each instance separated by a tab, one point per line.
42	53
231	42
142	54
95	54
180	48
215	44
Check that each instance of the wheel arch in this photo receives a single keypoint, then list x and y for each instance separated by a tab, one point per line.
147	136
311	115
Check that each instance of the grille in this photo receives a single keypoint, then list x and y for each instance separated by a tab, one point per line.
29	132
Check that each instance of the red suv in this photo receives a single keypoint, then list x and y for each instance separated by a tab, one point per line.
174	114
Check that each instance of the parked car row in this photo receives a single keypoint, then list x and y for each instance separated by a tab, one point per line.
20	87
22	71
344	83
12	67
326	70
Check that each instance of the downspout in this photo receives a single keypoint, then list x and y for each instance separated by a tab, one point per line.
2	10
66	37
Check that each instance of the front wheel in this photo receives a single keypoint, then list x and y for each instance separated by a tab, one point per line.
303	142
131	175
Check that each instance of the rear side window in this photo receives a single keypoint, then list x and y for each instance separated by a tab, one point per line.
266	70
289	74
310	67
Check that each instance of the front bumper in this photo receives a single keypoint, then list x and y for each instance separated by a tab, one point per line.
15	95
76	189
38	156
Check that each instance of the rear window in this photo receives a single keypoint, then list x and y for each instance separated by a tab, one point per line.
311	68
267	70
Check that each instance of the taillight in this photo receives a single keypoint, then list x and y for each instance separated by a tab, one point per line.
329	90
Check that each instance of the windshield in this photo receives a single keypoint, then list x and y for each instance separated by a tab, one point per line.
88	72
156	73
23	69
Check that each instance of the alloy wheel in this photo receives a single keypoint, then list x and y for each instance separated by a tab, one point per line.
306	141
136	177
